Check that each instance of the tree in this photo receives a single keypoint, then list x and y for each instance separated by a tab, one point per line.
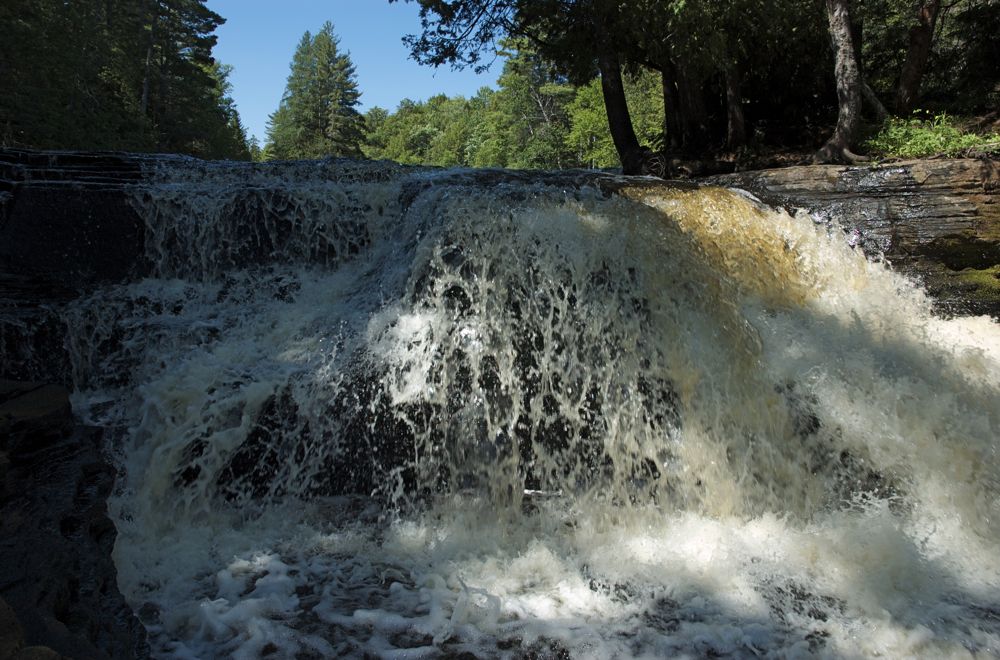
735	73
434	132
589	138
65	76
224	135
185	92
917	54
523	124
579	38
529	111
115	74
375	140
849	86
318	114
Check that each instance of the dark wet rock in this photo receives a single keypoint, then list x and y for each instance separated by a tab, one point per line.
31	332
65	226
32	415
936	219
56	572
38	653
11	632
64	218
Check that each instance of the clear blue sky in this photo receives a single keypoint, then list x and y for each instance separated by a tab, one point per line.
259	37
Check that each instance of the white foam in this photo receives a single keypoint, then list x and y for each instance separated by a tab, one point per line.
771	447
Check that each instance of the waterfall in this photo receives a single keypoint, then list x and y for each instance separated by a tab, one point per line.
367	409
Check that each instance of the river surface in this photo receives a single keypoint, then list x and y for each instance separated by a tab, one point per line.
368	411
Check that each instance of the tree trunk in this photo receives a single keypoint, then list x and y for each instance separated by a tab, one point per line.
869	95
672	123
619	120
736	134
849	84
148	70
693	112
917	54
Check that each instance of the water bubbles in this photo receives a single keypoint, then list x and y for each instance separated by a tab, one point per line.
457	412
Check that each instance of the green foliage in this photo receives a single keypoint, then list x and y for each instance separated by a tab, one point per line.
318	113
777	54
918	137
528	114
589	137
116	74
524	124
431	133
536	119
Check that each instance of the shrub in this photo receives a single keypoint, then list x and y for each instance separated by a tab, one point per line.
919	137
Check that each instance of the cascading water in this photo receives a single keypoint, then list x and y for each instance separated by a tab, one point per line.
371	411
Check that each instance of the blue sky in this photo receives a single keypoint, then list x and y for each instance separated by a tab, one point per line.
259	37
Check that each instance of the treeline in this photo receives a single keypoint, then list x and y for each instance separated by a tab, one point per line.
590	83
116	74
742	71
535	119
599	83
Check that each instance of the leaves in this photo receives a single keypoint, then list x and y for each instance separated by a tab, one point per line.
318	114
918	137
535	120
116	74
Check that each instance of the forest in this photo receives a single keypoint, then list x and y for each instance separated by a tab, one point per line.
584	83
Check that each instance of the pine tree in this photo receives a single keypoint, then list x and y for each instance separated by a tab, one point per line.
318	113
115	74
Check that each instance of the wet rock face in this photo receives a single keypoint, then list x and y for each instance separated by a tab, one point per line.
65	226
936	219
64	219
57	581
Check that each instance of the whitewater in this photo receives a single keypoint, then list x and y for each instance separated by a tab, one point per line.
363	410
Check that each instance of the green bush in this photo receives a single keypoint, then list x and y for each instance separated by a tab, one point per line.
920	137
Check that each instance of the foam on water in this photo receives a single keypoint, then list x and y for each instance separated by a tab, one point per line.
738	437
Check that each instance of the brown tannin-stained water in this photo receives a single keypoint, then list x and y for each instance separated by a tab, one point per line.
365	411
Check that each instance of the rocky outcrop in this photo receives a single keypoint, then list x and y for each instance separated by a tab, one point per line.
58	590
65	226
64	219
936	219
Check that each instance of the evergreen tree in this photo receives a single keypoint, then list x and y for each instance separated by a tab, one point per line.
116	74
318	113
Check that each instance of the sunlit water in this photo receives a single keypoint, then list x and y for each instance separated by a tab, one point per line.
365	411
